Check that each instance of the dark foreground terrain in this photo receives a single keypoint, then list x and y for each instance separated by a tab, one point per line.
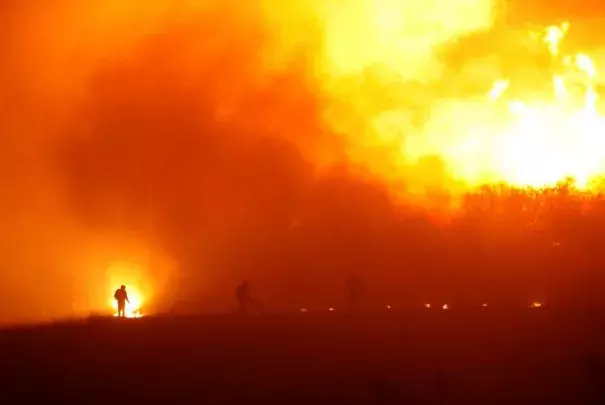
482	356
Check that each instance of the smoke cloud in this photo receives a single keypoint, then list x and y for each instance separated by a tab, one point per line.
204	142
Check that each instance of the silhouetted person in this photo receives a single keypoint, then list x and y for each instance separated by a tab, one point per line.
355	290
122	297
243	297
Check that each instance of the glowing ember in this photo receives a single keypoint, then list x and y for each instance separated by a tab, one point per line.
536	305
445	307
427	306
484	305
332	310
388	307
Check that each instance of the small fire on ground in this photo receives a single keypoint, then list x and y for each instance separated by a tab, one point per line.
133	308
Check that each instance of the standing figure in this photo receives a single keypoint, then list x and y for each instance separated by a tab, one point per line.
122	297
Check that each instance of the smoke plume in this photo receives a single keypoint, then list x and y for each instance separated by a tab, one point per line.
203	142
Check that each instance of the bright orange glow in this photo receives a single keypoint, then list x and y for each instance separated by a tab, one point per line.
159	134
539	143
536	304
132	277
445	307
133	308
512	137
395	34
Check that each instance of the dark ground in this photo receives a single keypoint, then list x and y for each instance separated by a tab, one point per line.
481	356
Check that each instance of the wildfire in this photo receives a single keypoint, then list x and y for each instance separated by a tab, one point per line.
523	141
538	144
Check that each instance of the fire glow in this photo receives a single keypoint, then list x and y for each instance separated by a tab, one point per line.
518	138
134	277
133	308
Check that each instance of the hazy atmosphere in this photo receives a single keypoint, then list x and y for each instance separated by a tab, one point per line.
180	147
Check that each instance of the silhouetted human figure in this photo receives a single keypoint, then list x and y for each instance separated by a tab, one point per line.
122	297
243	297
355	290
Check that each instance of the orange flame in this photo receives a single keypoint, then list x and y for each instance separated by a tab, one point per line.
520	141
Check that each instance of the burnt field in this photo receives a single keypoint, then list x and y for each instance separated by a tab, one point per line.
479	356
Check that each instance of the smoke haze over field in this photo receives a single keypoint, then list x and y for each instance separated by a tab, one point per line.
195	143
